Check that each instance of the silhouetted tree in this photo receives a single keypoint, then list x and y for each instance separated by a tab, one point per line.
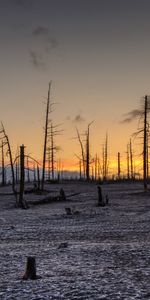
7	143
3	164
53	131
128	166
142	115
119	168
131	159
105	159
46	135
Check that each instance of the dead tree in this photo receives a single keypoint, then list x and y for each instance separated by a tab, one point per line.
85	152
38	177
82	152
7	143
22	178
88	152
128	164
3	165
105	159
119	169
145	143
143	129
53	131
131	160
28	170
17	170
46	136
80	169
96	166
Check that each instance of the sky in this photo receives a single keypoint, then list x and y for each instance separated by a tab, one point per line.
97	54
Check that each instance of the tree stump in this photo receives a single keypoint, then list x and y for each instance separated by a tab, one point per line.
68	211
107	199
100	197
62	195
30	272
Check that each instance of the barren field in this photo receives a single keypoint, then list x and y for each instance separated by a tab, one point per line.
95	253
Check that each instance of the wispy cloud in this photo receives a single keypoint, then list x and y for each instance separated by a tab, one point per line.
78	119
40	31
36	59
45	34
44	43
130	116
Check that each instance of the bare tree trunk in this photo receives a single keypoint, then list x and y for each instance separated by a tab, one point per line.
49	162
45	137
88	152
131	159
87	156
82	152
21	192
16	171
118	165
145	145
96	161
11	161
38	177
128	165
105	158
52	150
147	158
3	165
80	171
28	169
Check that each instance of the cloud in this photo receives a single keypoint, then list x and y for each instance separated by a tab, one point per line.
43	42
40	31
53	42
36	59
135	113
78	119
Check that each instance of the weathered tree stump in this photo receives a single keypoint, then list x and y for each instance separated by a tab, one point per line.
68	211
30	272
100	197
107	199
62	195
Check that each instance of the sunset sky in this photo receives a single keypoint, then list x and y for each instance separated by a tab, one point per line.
97	54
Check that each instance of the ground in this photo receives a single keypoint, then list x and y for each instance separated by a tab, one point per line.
95	253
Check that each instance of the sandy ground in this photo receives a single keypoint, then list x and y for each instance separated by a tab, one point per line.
107	255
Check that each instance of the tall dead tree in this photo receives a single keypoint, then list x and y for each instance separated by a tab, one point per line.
88	151
85	151
131	160
22	176
88	154
80	169
7	143
82	152
28	170
52	149
128	163
105	159
3	164
46	136
145	143
96	166
119	168
143	128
